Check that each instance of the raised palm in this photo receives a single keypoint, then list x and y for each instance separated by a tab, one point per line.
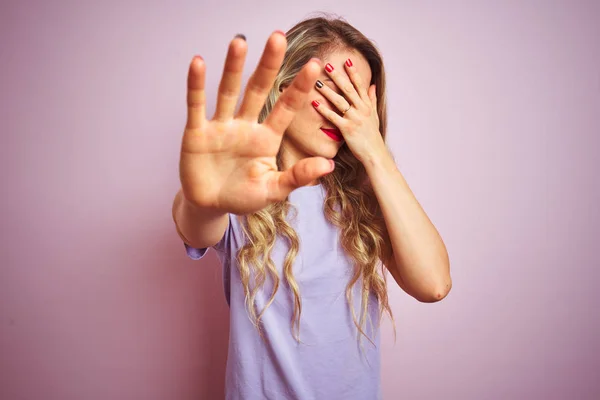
228	163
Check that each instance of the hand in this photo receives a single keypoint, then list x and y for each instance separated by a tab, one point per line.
359	122
228	163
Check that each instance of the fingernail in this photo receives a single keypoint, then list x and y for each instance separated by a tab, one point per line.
315	103
281	32
349	62
241	36
332	163
319	84
328	67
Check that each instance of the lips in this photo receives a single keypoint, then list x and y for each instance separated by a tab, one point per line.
335	134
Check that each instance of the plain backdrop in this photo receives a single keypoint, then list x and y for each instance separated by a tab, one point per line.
493	119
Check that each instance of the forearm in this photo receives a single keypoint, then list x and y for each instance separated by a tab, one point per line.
198	228
419	254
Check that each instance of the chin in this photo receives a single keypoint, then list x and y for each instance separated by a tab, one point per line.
328	150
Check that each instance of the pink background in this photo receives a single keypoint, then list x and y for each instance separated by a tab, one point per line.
494	120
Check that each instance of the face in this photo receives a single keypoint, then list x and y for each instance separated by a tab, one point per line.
304	137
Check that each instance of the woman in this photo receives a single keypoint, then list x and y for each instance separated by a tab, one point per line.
306	209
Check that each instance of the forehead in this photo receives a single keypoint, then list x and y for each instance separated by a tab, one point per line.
337	58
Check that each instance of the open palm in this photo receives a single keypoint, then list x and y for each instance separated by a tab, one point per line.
228	163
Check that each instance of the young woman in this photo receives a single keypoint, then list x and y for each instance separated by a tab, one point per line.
306	209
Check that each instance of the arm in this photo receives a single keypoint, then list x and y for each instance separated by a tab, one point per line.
220	163
419	261
197	227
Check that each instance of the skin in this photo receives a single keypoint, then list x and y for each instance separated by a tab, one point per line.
304	138
419	263
228	163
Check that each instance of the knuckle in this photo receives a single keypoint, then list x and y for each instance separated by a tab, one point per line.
347	88
195	103
228	92
287	103
257	88
306	169
195	100
277	122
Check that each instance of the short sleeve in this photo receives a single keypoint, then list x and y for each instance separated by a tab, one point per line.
226	250
193	253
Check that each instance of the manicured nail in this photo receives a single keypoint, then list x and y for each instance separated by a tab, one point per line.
328	67
315	103
319	84
241	36
349	62
281	32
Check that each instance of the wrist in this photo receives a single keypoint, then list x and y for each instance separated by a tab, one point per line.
379	162
193	210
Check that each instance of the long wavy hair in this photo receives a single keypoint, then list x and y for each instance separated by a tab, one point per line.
350	202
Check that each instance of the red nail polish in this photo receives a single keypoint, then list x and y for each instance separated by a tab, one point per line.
328	67
315	103
349	62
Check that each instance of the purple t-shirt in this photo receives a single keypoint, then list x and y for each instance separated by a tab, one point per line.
329	363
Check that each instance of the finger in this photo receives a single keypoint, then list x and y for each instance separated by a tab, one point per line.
231	81
261	81
373	95
355	79
338	101
293	97
333	117
342	81
196	98
301	174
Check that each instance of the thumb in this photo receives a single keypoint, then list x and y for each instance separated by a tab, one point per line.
301	174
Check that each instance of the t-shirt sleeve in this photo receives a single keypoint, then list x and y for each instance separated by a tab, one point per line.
226	249
194	253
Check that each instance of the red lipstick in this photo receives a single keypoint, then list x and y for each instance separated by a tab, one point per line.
335	134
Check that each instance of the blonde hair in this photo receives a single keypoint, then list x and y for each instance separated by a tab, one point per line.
362	229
